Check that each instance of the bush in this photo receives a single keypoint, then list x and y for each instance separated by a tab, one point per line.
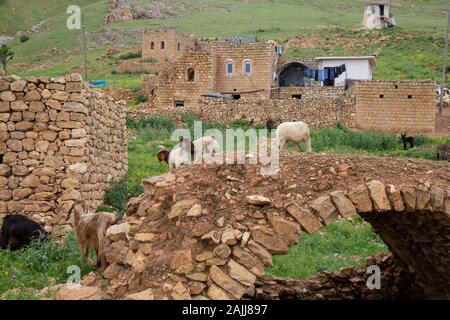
114	71
136	88
130	55
154	122
150	60
116	195
141	99
24	38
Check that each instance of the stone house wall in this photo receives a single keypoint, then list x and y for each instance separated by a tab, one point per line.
259	82
396	106
314	91
59	141
175	44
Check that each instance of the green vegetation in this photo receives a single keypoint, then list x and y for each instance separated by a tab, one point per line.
130	55
6	55
116	196
38	266
342	244
24	38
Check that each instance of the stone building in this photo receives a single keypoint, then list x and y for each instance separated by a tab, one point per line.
165	44
396	106
378	15
59	141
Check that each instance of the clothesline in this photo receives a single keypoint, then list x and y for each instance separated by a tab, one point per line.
328	73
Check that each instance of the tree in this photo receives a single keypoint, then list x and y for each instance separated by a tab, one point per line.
6	54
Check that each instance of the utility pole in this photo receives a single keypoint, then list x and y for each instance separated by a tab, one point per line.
84	47
444	69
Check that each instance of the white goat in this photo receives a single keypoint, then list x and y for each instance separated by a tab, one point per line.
294	132
205	145
177	157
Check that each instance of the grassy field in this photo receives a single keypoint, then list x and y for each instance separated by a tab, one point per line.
40	265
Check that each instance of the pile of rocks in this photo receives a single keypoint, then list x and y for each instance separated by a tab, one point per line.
59	141
210	232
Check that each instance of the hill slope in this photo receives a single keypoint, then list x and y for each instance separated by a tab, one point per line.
413	50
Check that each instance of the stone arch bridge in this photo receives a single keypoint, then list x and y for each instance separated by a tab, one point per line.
209	232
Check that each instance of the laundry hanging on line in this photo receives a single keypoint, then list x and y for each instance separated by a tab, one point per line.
328	73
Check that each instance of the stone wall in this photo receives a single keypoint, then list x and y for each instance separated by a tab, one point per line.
396	106
59	141
316	112
315	91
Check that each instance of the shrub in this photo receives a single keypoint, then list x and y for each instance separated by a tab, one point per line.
114	71
136	88
130	55
141	99
150	60
116	195
24	38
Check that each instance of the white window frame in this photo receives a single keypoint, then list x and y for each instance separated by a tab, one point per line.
227	62
244	63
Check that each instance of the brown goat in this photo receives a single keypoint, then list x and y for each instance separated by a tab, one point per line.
163	155
443	152
91	231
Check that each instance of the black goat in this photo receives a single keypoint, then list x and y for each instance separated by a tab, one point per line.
18	231
407	140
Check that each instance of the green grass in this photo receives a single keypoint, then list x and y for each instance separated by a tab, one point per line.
33	266
344	243
413	50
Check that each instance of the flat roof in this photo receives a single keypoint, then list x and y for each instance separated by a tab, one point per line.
372	59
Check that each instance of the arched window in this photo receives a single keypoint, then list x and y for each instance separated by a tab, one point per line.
229	67
163	44
179	46
152	45
190	74
247	67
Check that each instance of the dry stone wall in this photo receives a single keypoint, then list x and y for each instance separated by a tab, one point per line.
316	112
59	141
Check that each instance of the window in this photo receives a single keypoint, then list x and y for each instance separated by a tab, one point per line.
152	45
410	97
296	96
236	96
230	67
163	44
247	67
179	46
381	96
178	103
190	74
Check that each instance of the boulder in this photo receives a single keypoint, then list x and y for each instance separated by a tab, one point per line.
78	292
361	199
324	208
226	282
258	200
307	220
343	204
377	192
